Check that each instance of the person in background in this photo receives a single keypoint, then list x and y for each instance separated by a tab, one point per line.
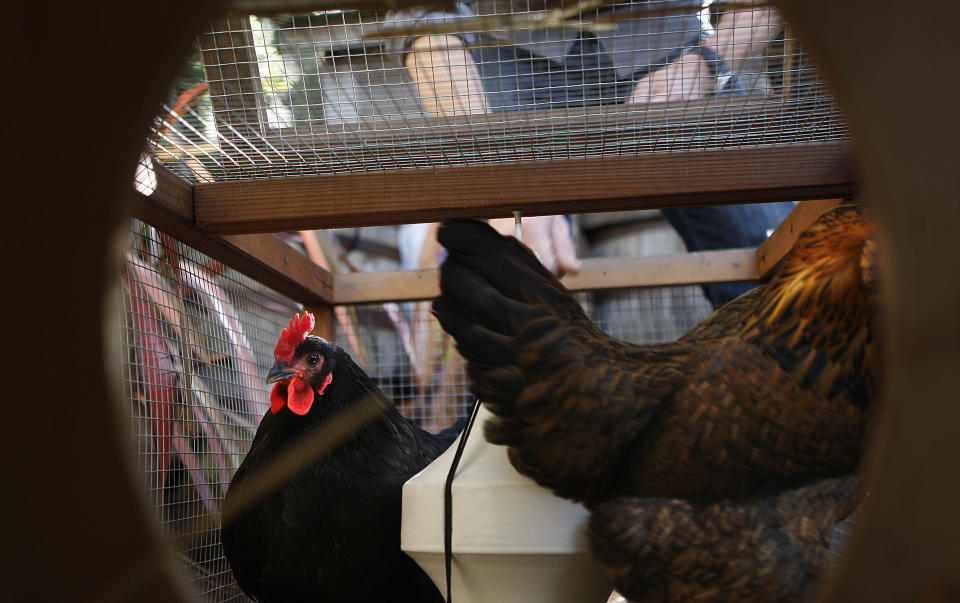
646	57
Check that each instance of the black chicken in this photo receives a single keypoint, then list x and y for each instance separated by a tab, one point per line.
769	393
332	533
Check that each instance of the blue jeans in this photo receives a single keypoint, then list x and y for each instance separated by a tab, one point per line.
515	80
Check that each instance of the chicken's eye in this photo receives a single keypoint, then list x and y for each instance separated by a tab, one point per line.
313	359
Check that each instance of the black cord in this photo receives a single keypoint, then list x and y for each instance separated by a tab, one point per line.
448	497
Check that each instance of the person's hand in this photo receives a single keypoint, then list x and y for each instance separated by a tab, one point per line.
549	237
687	78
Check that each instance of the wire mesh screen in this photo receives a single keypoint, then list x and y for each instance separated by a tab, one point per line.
489	81
198	339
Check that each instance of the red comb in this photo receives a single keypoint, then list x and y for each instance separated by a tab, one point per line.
290	338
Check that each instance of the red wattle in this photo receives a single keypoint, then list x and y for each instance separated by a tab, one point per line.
299	396
276	400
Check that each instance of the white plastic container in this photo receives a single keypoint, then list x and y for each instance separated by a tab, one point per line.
513	541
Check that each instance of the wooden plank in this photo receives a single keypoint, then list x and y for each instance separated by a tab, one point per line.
394	285
170	206
675	269
596	273
172	196
536	188
772	250
264	257
269	259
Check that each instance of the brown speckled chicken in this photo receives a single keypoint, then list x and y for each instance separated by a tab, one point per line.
768	394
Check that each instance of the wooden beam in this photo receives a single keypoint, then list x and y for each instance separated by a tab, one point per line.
264	257
394	285
772	250
170	206
170	200
736	175
675	269
596	273
270	260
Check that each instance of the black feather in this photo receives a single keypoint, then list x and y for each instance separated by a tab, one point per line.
333	532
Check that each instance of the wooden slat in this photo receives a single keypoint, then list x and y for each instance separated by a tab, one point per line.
772	250
395	285
173	192
675	269
537	188
264	257
269	259
170	206
596	273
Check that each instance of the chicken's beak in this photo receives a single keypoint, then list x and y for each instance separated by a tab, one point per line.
280	371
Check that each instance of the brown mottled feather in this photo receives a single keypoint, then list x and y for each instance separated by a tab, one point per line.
769	391
764	549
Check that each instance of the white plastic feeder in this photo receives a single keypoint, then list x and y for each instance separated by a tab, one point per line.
513	540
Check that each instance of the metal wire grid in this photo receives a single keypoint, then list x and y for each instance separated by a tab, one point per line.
197	340
649	315
842	531
327	92
413	361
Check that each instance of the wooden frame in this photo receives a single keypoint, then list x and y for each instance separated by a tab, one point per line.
537	188
270	260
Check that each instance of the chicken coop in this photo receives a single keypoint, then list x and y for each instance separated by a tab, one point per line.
305	154
322	120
